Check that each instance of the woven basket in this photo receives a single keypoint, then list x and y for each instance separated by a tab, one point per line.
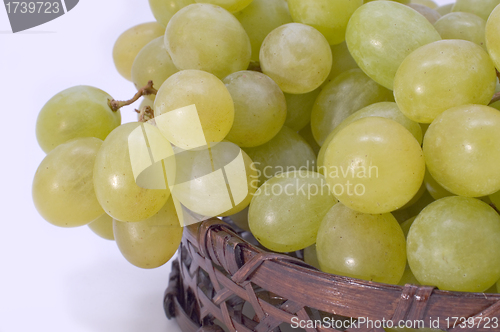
219	277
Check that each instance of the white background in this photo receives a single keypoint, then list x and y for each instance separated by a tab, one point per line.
54	279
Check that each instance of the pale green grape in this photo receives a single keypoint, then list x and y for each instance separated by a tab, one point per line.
329	17
153	63
434	188
299	108
428	3
381	34
311	257
103	226
287	210
493	36
212	99
407	278
462	150
241	219
406	225
374	165
481	8
63	190
163	10
495	199
465	26
307	135
445	9
152	242
348	93
363	246
400	1
198	191
388	110
425	127
80	111
454	244
402	215
441	75
114	181
260	108
297	57
260	18
415	198
342	61
287	151
229	5
430	14
209	38
129	44
492	289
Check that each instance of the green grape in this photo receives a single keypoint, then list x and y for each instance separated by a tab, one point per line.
114	182
462	150
287	151
260	18
150	243
428	3
442	75
454	244
445	9
299	108
232	6
493	36
400	1
63	190
495	199
388	110
491	290
425	127
260	108
381	34
374	165
287	210
406	225
407	278
307	135
465	26
402	215
241	219
346	94
103	226
311	257
80	111
435	189
342	61
129	44
213	102
481	8
163	10
209	38
329	17
197	191
152	64
297	57
363	246
430	14
415	198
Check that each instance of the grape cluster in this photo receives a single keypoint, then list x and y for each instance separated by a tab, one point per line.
367	133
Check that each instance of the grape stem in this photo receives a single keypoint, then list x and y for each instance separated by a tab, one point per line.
146	113
115	105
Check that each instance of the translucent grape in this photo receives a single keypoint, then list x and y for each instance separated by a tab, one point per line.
286	211
310	256
152	242
442	75
229	5
454	244
348	93
408	278
464	26
381	34
212	99
445	9
342	61
428	3
363	246
493	36
374	165
495	199
297	57
260	18
402	215
128	45
63	190
153	63
260	108
430	14
80	111
287	151
462	150
299	108
388	110
329	17
241	219
307	135
103	226
163	10
481	8
114	181
434	188
217	43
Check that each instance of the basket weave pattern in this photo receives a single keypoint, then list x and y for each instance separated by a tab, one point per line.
218	273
